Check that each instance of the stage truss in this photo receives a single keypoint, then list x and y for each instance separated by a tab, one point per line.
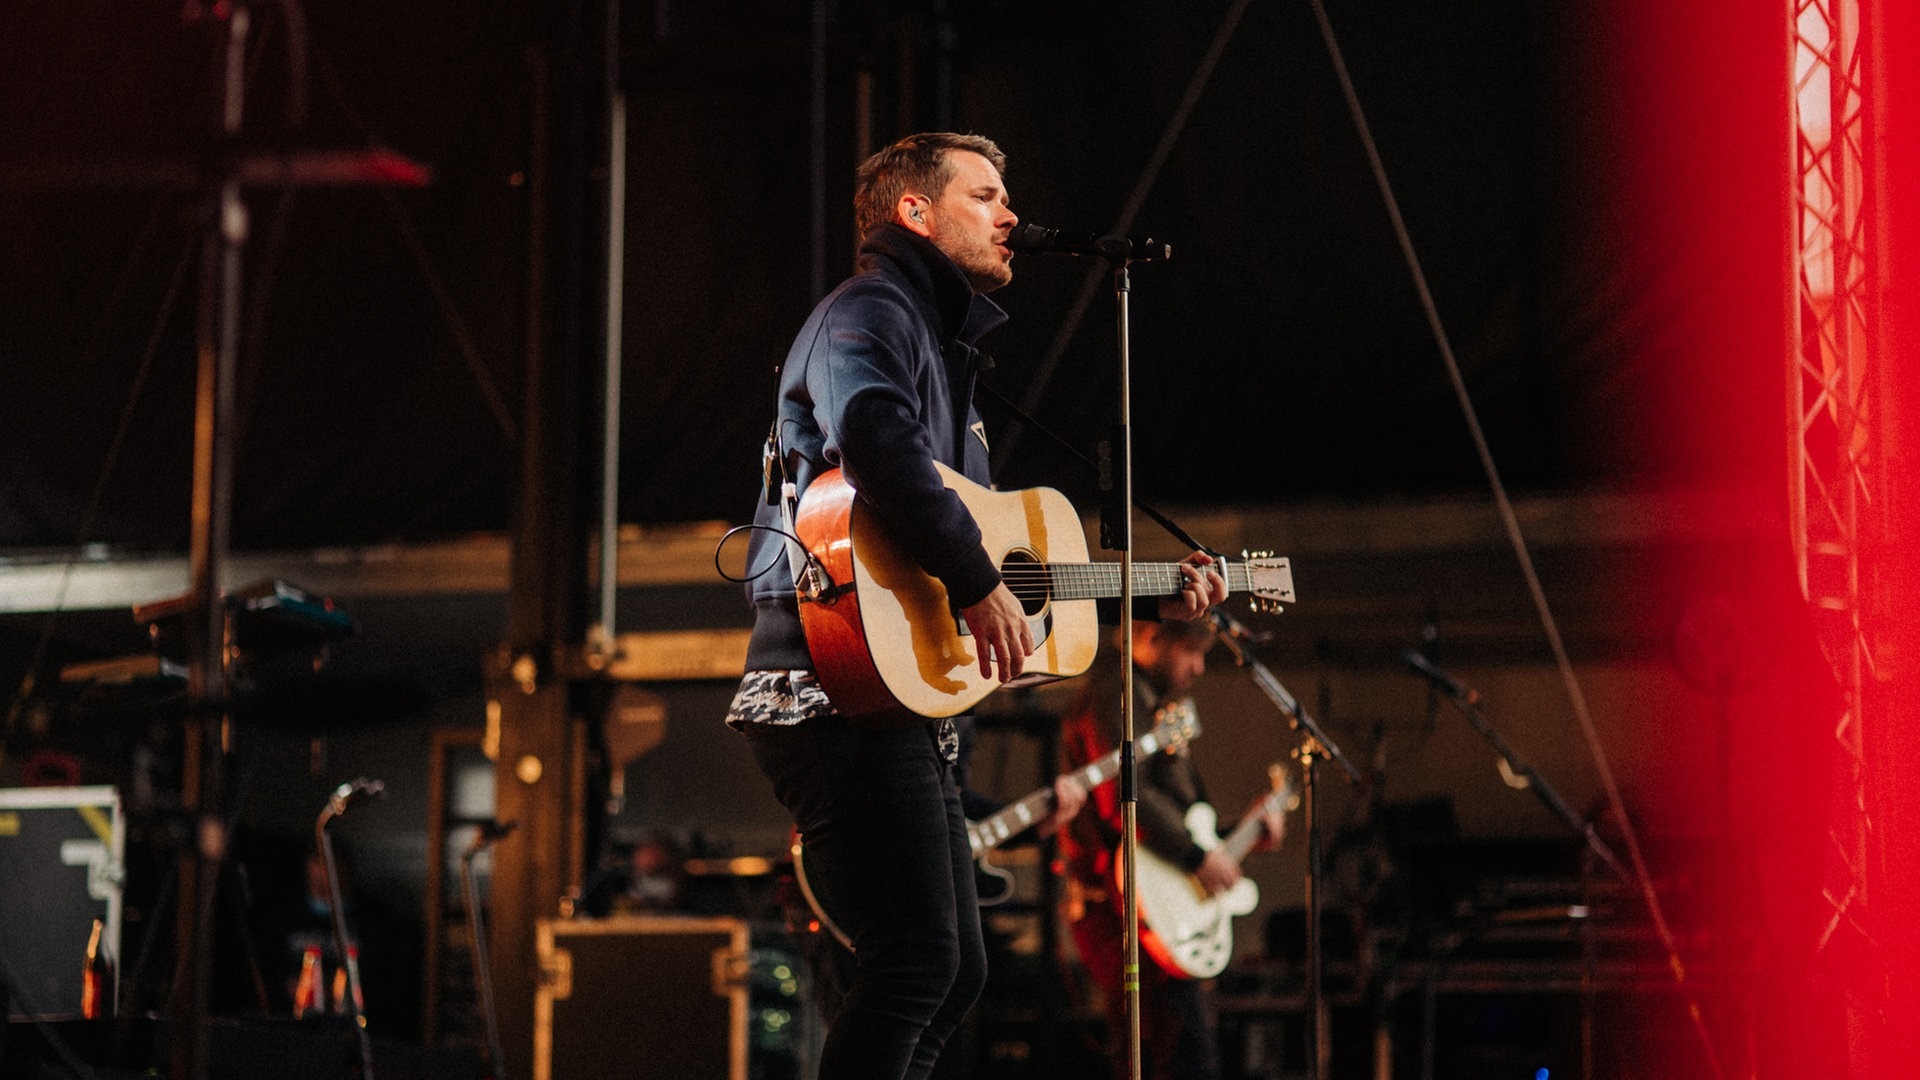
1839	432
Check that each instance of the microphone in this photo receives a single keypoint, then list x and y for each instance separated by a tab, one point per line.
353	792
486	833
493	829
1038	240
346	795
1441	679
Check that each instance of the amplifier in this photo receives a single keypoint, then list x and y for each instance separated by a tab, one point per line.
60	869
633	997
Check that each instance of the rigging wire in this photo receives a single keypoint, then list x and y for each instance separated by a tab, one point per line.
1549	625
463	339
1097	274
97	496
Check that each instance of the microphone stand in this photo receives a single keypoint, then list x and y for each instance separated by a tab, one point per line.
483	837
343	797
1467	700
203	757
1314	746
1117	532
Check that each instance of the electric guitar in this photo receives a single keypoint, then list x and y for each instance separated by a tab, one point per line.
1186	929
1177	725
890	647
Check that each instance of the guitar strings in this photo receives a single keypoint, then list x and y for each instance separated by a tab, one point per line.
1033	580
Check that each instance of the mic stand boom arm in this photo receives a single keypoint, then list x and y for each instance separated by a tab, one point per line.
1467	700
1237	639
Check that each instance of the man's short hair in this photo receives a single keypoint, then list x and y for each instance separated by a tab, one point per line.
1194	632
1185	631
916	163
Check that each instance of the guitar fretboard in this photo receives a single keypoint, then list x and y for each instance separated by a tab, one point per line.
1095	581
1003	824
1251	828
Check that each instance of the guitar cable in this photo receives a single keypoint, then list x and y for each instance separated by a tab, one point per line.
810	578
813	582
1172	527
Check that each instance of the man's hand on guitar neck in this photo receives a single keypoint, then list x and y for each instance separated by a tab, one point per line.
1218	872
1273	822
1001	638
1203	589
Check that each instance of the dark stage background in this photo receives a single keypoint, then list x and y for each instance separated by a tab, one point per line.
1594	192
1566	237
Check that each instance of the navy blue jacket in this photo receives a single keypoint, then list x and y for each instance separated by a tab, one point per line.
879	383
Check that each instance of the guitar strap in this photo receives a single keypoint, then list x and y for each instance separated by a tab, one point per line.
808	577
1032	424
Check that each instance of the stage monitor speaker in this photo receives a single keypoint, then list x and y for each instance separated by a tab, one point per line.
61	866
641	997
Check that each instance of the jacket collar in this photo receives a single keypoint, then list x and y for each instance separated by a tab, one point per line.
961	313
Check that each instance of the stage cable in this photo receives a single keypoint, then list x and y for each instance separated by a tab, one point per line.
1549	625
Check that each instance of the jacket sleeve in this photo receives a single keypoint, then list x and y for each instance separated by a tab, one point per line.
865	381
1166	779
1161	815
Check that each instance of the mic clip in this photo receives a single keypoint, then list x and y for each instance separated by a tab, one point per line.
1030	239
1454	688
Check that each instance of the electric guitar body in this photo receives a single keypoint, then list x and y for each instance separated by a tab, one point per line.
1188	931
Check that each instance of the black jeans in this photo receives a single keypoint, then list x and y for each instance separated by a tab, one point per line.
886	852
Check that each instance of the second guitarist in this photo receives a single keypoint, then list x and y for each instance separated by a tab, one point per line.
1176	1021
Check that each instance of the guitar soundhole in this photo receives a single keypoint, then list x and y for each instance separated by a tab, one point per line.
1030	581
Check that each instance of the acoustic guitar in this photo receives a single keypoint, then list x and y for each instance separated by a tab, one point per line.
1186	929
1177	725
890	647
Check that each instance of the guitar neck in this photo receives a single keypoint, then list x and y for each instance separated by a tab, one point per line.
1099	580
1010	820
1003	824
1246	834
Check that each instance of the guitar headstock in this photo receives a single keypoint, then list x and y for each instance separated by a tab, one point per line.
1269	579
1175	725
1281	779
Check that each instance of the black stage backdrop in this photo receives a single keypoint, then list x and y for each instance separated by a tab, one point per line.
1552	163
